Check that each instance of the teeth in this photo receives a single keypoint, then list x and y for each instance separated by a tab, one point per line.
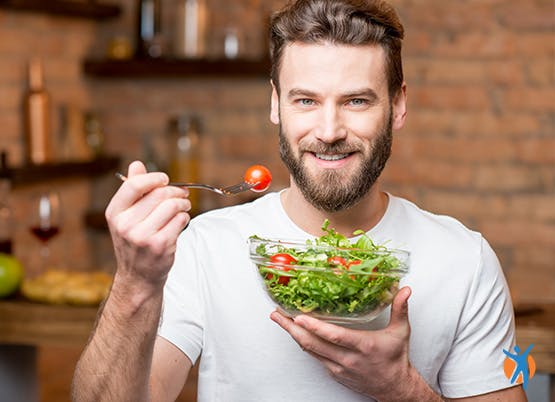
331	157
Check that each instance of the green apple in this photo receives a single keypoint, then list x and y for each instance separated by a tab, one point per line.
11	274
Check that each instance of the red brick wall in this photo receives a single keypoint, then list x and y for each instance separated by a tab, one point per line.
479	143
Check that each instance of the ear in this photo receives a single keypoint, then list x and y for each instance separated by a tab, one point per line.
400	108
274	112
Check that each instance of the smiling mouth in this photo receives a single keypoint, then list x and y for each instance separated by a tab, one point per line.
333	157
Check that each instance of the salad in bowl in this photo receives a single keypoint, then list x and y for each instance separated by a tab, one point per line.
329	277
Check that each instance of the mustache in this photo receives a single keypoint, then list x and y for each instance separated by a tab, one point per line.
339	147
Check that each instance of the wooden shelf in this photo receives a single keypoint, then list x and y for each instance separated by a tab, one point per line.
32	174
79	9
27	323
177	68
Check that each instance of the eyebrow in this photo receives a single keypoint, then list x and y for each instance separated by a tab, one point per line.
300	92
367	92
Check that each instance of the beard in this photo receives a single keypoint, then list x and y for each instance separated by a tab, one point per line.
331	191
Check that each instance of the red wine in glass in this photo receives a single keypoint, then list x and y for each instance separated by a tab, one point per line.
45	233
45	222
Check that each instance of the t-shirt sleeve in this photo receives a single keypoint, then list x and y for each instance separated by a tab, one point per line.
474	365
182	319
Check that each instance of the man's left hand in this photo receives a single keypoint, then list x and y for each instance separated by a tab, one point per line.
374	363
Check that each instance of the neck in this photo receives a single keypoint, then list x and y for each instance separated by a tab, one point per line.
364	215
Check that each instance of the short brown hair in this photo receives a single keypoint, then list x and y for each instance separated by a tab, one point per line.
348	22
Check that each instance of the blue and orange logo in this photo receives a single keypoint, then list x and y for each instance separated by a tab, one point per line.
519	367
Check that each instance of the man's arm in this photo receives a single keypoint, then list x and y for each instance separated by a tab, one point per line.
170	369
115	365
145	217
374	363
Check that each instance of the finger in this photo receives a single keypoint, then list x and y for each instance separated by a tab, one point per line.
331	333
308	341
288	324
332	367
133	189
283	321
297	332
165	240
139	211
136	168
160	216
400	309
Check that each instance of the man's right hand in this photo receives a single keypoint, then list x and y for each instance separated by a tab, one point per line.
145	217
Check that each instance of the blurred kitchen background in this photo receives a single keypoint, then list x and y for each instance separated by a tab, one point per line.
479	143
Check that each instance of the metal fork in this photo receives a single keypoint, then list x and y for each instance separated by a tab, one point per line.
229	190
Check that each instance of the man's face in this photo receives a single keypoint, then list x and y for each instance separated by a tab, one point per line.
335	120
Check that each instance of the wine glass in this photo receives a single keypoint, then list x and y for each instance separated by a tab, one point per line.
45	221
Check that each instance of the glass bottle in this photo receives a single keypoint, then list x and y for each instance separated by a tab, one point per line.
36	105
190	29
184	145
149	29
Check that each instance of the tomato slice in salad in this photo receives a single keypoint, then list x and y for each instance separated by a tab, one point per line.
282	260
337	260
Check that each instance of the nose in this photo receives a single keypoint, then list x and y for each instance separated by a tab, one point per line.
331	128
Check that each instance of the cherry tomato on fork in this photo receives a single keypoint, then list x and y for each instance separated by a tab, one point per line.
258	174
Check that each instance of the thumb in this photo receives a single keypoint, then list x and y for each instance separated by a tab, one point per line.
136	168
400	308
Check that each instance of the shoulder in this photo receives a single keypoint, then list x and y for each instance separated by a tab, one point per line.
432	227
442	248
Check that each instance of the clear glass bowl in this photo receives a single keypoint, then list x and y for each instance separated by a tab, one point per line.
339	285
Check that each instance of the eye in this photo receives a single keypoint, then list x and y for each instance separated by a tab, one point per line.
358	102
305	102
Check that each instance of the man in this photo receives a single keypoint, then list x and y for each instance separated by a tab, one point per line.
337	94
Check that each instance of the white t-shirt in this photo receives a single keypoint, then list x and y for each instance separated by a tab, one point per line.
460	311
